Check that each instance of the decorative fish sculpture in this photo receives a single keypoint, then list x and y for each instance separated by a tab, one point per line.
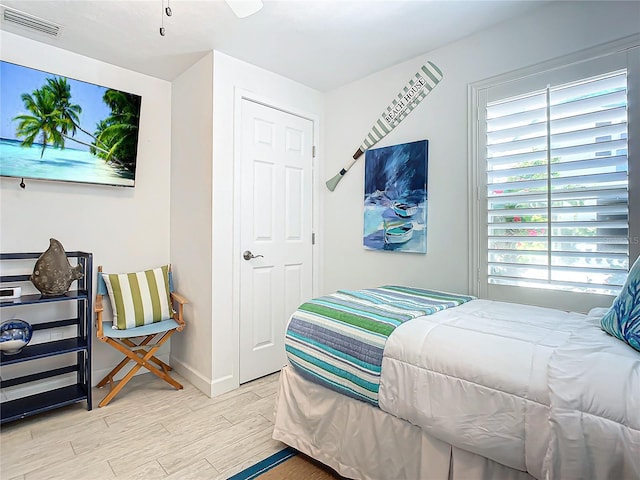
53	274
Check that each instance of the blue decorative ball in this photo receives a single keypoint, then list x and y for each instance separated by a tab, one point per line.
15	334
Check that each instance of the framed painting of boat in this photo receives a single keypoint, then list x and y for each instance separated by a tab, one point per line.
395	197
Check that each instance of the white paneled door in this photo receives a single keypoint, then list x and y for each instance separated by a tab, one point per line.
275	237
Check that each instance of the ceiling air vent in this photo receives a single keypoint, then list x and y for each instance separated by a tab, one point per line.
24	20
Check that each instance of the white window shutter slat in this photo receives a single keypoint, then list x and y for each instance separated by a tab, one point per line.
557	187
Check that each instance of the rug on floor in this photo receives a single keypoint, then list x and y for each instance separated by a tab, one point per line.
287	464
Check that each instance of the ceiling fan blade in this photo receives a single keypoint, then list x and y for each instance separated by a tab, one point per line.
244	8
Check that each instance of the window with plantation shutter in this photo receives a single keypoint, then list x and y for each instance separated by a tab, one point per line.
554	176
557	186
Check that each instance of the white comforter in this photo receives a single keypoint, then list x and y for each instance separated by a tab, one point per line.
539	390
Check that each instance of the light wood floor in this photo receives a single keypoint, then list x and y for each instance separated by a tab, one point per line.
149	431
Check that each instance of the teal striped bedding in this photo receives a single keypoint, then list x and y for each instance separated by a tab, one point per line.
338	340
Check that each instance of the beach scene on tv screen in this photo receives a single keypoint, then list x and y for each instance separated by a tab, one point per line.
57	128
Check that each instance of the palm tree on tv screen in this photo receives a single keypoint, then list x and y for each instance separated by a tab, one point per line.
119	131
68	113
55	119
43	121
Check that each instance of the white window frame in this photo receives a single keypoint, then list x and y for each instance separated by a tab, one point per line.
623	53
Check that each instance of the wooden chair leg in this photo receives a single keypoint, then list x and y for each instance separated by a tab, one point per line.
164	376
112	373
165	367
114	391
142	358
150	356
110	376
154	359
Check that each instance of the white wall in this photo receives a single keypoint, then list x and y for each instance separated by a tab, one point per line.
191	249
547	33
204	242
126	229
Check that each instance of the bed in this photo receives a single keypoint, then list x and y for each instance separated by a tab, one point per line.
474	389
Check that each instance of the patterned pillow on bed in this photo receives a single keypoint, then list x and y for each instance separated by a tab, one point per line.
622	320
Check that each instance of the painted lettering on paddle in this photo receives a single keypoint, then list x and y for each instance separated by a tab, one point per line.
404	101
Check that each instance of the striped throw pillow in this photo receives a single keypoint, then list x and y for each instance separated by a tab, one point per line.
139	298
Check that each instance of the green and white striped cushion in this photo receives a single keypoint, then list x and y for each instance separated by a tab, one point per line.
139	298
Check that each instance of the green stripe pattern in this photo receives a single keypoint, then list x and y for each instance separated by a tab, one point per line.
338	340
411	95
139	298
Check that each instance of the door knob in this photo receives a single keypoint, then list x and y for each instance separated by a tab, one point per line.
247	255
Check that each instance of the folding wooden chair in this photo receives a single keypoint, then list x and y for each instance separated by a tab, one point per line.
138	344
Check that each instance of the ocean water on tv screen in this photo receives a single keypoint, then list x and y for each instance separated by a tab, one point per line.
56	164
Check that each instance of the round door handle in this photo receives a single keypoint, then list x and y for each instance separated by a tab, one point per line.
247	255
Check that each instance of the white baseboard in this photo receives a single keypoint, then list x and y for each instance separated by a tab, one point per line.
194	377
211	388
223	385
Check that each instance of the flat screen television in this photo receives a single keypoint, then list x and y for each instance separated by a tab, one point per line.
57	128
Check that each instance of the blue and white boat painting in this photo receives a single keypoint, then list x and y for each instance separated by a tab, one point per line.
405	210
398	232
395	198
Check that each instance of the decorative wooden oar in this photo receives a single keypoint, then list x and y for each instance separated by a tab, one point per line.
411	95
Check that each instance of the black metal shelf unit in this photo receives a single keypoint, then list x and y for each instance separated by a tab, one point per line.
80	345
